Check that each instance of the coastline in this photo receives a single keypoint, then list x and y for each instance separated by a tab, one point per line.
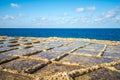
109	42
39	58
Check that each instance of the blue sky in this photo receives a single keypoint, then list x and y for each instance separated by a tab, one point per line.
59	13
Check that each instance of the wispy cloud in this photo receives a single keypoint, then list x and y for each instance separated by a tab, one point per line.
40	20
14	5
7	17
80	9
112	13
91	8
109	16
75	19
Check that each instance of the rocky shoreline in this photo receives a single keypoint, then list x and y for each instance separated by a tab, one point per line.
53	58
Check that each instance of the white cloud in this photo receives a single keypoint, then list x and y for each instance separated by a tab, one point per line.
7	17
92	8
75	19
14	5
112	13
79	9
108	16
40	20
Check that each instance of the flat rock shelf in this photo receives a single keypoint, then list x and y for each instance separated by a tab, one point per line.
53	58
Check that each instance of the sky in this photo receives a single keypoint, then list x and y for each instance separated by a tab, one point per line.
59	13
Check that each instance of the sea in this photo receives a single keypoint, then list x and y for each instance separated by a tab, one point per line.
90	33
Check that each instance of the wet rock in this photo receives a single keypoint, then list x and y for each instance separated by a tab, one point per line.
13	41
95	53
111	54
117	67
113	49
100	74
5	58
94	47
22	52
52	69
63	49
5	49
87	61
47	55
20	64
11	76
31	58
58	76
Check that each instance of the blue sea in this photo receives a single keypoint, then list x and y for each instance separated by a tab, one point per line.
100	34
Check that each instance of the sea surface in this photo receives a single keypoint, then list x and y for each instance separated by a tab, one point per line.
100	34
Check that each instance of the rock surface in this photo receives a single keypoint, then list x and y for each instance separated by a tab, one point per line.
31	58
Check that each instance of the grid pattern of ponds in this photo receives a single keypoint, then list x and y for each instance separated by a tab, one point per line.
30	58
